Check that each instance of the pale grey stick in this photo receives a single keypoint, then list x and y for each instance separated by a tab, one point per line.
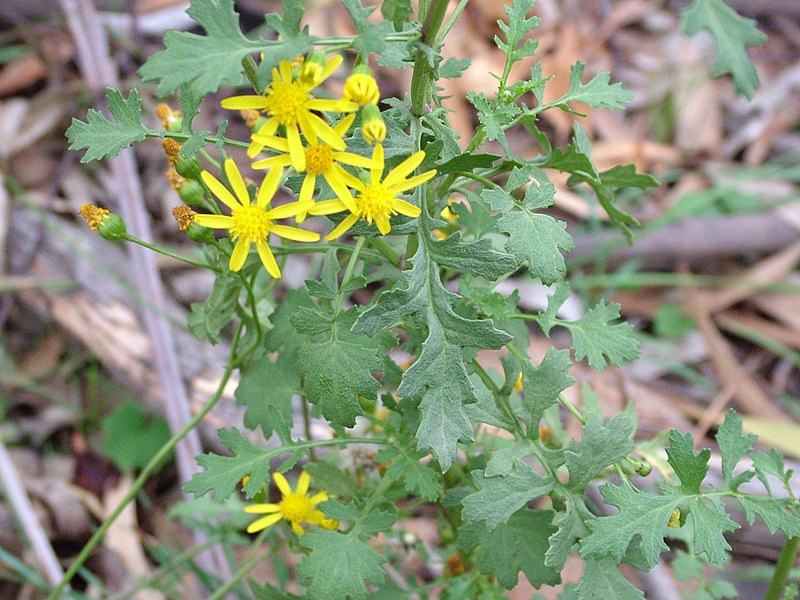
99	71
29	524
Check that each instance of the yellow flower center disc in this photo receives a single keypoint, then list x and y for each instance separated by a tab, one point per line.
285	100
250	223
319	159
296	507
374	202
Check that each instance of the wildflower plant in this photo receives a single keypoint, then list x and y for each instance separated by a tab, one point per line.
384	337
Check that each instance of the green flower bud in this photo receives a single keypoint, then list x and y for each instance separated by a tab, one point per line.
191	192
188	167
112	227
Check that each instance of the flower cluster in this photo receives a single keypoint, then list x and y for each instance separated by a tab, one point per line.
296	507
289	123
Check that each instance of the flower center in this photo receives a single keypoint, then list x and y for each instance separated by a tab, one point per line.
250	223
296	507
374	202
319	159
285	100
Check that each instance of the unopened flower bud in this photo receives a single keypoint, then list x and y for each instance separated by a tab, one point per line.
108	224
312	69
361	87
191	192
184	216
188	167
171	149
250	116
373	127
170	119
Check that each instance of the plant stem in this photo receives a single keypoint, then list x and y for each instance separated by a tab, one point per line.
782	569
159	250
151	466
348	273
422	80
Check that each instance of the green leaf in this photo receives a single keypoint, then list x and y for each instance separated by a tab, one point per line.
732	34
338	566
444	422
734	446
502	460
208	318
206	62
601	580
535	239
287	23
334	374
397	11
570	529
777	513
466	163
328	475
708	522
102	138
494	117
370	37
131	437
222	475
640	514
475	258
600	341
498	498
517	28
518	545
266	389
454	67
601	445
542	384
691	467
404	466
671	322
598	92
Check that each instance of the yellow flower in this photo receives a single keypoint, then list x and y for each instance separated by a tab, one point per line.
320	159
377	200
373	127
252	223
94	215
288	102
296	507
361	87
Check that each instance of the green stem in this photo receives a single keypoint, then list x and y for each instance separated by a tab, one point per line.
500	399
451	20
348	273
213	139
422	80
782	569
159	250
148	470
571	408
237	577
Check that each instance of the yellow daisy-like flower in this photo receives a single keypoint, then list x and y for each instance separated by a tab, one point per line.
252	223
288	102
377	200
361	87
296	507
320	159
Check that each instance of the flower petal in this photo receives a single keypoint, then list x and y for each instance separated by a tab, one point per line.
237	182
404	169
271	141
219	190
325	132
341	191
264	522
377	157
303	483
296	150
297	529
280	161
268	187
268	129
326	105
412	182
294	233
285	70
343	126
331	65
320	496
327	207
271	265
346	224
214	221
348	158
406	208
239	255
262	508
289	210
348	179
307	189
382	221
245	103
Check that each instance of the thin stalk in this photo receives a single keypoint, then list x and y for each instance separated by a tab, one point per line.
451	20
348	273
785	563
165	252
237	577
148	470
